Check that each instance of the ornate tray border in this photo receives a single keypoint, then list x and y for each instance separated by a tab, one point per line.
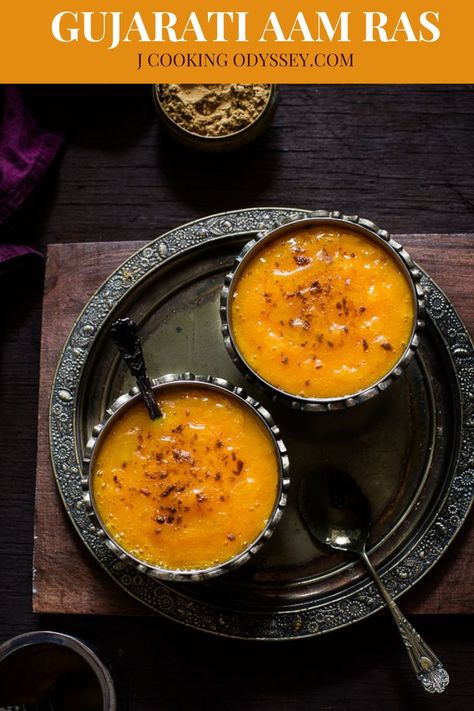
283	624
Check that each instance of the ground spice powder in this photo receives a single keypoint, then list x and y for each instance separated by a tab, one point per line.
213	109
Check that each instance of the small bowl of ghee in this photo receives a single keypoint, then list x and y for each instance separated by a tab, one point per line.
193	494
323	312
46	670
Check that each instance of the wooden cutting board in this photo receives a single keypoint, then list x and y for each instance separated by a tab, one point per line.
66	578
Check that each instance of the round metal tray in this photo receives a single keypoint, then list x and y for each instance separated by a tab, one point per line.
411	449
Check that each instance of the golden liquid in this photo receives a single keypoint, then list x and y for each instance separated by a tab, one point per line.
191	489
322	312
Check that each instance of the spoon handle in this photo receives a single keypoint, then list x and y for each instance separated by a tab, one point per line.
428	668
124	333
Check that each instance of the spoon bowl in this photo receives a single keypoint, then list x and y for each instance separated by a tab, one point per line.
335	510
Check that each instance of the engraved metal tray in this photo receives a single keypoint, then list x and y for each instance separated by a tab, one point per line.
411	448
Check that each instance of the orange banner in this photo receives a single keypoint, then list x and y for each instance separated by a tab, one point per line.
119	41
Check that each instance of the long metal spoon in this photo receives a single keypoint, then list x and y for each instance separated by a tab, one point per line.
337	514
124	333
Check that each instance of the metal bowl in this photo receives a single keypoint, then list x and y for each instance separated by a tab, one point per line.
217	144
33	661
189	381
362	227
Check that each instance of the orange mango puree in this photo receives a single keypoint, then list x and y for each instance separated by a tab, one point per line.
322	312
191	489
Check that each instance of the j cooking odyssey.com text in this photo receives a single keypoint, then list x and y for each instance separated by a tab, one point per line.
241	59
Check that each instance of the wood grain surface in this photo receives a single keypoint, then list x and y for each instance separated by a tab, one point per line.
73	273
402	156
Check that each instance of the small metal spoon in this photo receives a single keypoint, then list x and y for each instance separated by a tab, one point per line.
337	514
124	333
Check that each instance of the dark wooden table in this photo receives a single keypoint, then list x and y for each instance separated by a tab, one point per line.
402	156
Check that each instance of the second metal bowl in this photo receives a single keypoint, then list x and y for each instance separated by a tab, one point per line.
359	226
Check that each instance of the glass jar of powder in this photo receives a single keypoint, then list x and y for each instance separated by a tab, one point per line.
215	117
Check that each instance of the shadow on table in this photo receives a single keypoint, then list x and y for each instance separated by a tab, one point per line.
211	182
166	667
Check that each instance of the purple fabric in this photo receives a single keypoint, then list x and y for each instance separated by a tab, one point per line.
11	254
26	150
